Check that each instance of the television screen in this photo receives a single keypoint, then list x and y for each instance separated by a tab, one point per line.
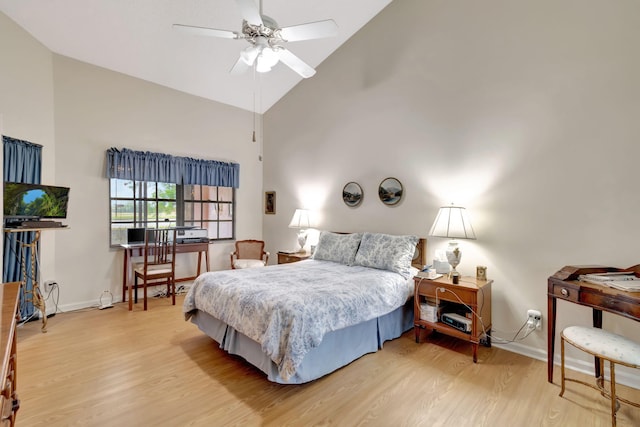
35	201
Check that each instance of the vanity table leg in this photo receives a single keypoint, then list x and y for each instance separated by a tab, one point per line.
597	323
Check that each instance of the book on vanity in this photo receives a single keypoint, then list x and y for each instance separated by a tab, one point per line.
622	280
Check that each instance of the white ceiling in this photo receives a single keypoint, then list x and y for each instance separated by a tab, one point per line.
135	37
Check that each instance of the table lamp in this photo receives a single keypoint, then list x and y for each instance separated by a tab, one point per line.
301	221
453	222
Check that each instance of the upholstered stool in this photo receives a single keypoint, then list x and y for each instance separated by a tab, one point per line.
606	346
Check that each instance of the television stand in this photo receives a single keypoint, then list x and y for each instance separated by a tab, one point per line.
29	249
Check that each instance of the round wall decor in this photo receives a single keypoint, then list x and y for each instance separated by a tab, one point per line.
390	191
352	194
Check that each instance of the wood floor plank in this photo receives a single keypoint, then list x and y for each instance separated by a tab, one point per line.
119	368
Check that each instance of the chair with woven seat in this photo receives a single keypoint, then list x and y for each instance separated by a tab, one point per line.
158	265
249	254
604	345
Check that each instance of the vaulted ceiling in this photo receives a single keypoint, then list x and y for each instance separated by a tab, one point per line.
136	38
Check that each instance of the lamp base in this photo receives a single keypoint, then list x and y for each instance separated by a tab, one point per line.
454	255
302	240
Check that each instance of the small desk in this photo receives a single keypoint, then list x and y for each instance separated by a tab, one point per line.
564	285
129	250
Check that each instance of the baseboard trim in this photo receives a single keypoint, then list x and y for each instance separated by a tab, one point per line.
624	375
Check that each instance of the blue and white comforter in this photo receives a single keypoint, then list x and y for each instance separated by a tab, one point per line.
288	308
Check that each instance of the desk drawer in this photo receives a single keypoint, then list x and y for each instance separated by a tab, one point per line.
565	292
610	303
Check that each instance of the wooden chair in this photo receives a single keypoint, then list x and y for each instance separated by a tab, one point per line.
158	265
249	254
605	346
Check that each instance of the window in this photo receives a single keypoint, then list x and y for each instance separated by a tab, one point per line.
140	204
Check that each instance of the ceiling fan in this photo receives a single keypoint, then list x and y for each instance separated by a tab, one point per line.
266	39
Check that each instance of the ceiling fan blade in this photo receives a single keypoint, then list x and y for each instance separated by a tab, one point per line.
249	11
239	67
295	63
203	31
311	30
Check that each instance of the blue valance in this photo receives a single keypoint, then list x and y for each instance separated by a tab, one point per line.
157	167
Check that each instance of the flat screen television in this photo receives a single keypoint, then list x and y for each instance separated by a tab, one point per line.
34	201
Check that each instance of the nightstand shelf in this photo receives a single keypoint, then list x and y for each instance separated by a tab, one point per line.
467	297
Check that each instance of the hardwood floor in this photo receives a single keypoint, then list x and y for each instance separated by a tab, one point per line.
119	368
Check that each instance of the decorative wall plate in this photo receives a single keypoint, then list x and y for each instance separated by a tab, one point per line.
352	194
390	191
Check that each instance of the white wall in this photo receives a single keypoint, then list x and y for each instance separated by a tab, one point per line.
524	112
97	109
26	104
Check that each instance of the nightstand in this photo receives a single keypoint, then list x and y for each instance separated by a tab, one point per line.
285	258
467	297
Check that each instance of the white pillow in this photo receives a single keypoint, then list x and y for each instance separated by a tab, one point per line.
387	252
337	247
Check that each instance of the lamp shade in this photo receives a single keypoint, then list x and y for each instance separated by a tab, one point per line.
300	219
452	222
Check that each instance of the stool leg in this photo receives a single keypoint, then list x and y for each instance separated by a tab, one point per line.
600	379
613	393
562	365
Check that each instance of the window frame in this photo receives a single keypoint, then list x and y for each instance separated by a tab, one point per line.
140	199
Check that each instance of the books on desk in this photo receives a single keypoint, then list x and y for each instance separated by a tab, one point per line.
625	285
622	280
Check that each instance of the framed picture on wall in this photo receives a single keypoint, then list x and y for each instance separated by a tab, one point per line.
270	202
352	194
390	191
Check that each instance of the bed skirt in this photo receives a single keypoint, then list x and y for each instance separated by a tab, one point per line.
338	348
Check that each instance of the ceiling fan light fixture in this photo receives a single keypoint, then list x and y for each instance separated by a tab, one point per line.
262	69
266	38
269	56
249	55
267	59
262	66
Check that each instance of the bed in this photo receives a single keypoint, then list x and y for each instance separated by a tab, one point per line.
300	321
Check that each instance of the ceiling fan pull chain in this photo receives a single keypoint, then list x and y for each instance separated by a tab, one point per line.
254	104
260	118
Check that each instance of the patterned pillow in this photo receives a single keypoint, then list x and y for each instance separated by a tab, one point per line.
387	252
337	247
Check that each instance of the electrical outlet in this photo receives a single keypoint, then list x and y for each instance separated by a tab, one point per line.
50	284
534	319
